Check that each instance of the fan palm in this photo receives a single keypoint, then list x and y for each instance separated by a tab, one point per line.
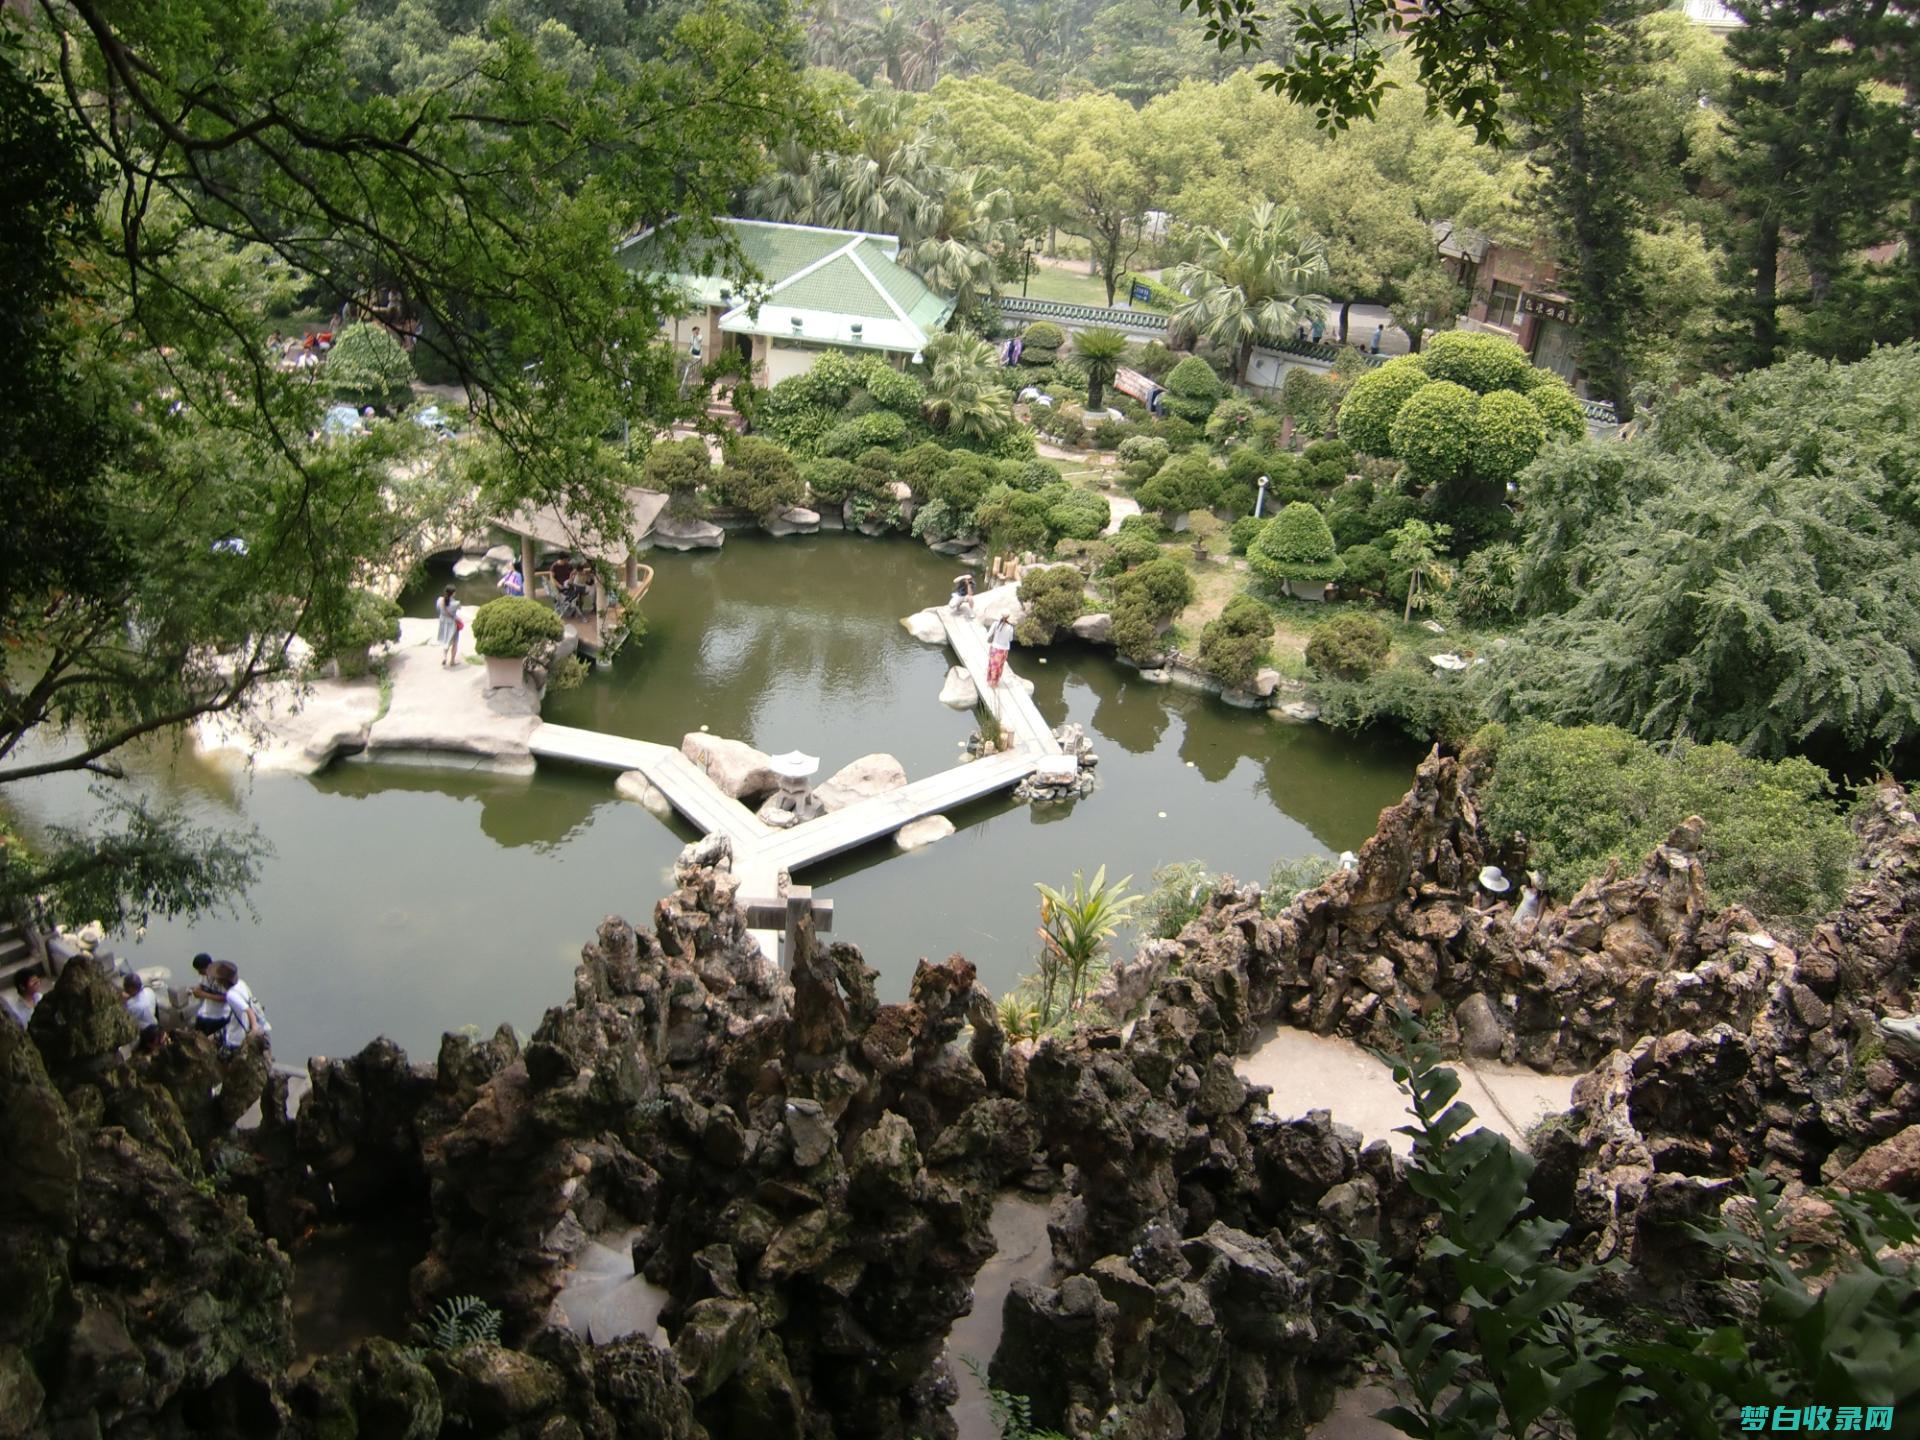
964	395
1099	350
973	224
1257	279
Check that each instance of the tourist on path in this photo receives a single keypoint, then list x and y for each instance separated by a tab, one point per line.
999	642
962	601
448	609
141	1003
245	1015
513	582
211	1017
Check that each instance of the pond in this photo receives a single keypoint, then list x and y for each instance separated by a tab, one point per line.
411	901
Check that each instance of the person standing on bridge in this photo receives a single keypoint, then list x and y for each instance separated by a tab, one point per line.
999	642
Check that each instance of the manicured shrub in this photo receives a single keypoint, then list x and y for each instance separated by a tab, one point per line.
1369	569
1012	519
1235	646
1775	840
892	389
1245	465
1508	432
1040	343
511	626
368	366
1372	403
1193	389
369	619
1309	399
1231	422
1145	526
1351	645
1153	359
1130	550
1558	407
1030	475
1054	597
936	520
828	481
1241	536
1410	696
1078	515
877	428
680	466
1178	433
1433	434
1187	482
1297	547
1143	455
1328	452
963	485
1163	583
875	471
759	476
920	464
1482	363
1111	434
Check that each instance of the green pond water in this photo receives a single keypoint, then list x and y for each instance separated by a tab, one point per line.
407	902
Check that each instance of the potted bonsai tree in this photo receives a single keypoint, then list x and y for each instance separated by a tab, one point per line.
506	631
367	620
1296	553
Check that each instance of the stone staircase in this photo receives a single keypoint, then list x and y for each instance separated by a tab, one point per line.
16	953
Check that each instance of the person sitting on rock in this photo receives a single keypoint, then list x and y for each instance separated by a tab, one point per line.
19	1002
141	1003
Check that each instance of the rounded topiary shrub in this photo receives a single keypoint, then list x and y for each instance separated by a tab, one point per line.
1143	455
828	481
1508	432
1245	531
1296	547
1040	343
1078	515
1373	403
1433	435
1350	646
367	366
511	626
677	465
1482	363
1558	406
1054	597
369	619
1235	646
1193	390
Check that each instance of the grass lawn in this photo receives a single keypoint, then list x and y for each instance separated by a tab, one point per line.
1073	286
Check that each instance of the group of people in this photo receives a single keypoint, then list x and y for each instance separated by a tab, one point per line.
225	1008
300	352
570	582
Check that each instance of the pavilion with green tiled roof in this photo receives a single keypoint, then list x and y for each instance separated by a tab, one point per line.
803	290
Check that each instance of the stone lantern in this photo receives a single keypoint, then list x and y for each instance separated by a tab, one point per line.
793	801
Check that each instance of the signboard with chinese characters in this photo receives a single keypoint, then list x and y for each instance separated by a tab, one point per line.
1547	307
1141	292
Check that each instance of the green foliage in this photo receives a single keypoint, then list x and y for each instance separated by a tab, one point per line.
1833	1318
936	520
458	1322
1187	482
1557	405
1040	343
1310	399
828	481
370	620
966	396
570	674
1775	839
1132	550
758	475
1075	927
920	465
368	366
1231	422
678	465
1291	877
1144	599
877	429
1508	432
1350	646
1481	363
1485	589
1245	531
1369	570
1099	350
1433	433
1179	893
512	625
1078	515
1192	390
1373	402
1054	598
1234	646
1297	546
1013	520
1262	277
1411	696
1143	455
1152	359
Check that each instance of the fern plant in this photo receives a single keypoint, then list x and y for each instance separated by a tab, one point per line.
458	1321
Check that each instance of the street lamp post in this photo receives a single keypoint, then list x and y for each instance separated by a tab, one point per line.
1026	269
1260	500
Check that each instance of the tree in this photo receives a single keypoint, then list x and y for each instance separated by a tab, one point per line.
1261	278
367	366
242	162
1099	351
1747	572
1415	551
965	395
1297	548
1234	646
1100	187
757	475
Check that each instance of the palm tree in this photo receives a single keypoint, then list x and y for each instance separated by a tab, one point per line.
974	224
1100	351
964	395
938	20
1074	929
887	40
1256	280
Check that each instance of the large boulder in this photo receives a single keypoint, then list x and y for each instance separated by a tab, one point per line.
671	533
865	778
735	766
715	1341
635	786
1001	602
795	521
918	834
80	1022
925	626
958	691
487	1388
1095	629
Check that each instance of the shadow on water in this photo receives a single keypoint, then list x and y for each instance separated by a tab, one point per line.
350	1284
